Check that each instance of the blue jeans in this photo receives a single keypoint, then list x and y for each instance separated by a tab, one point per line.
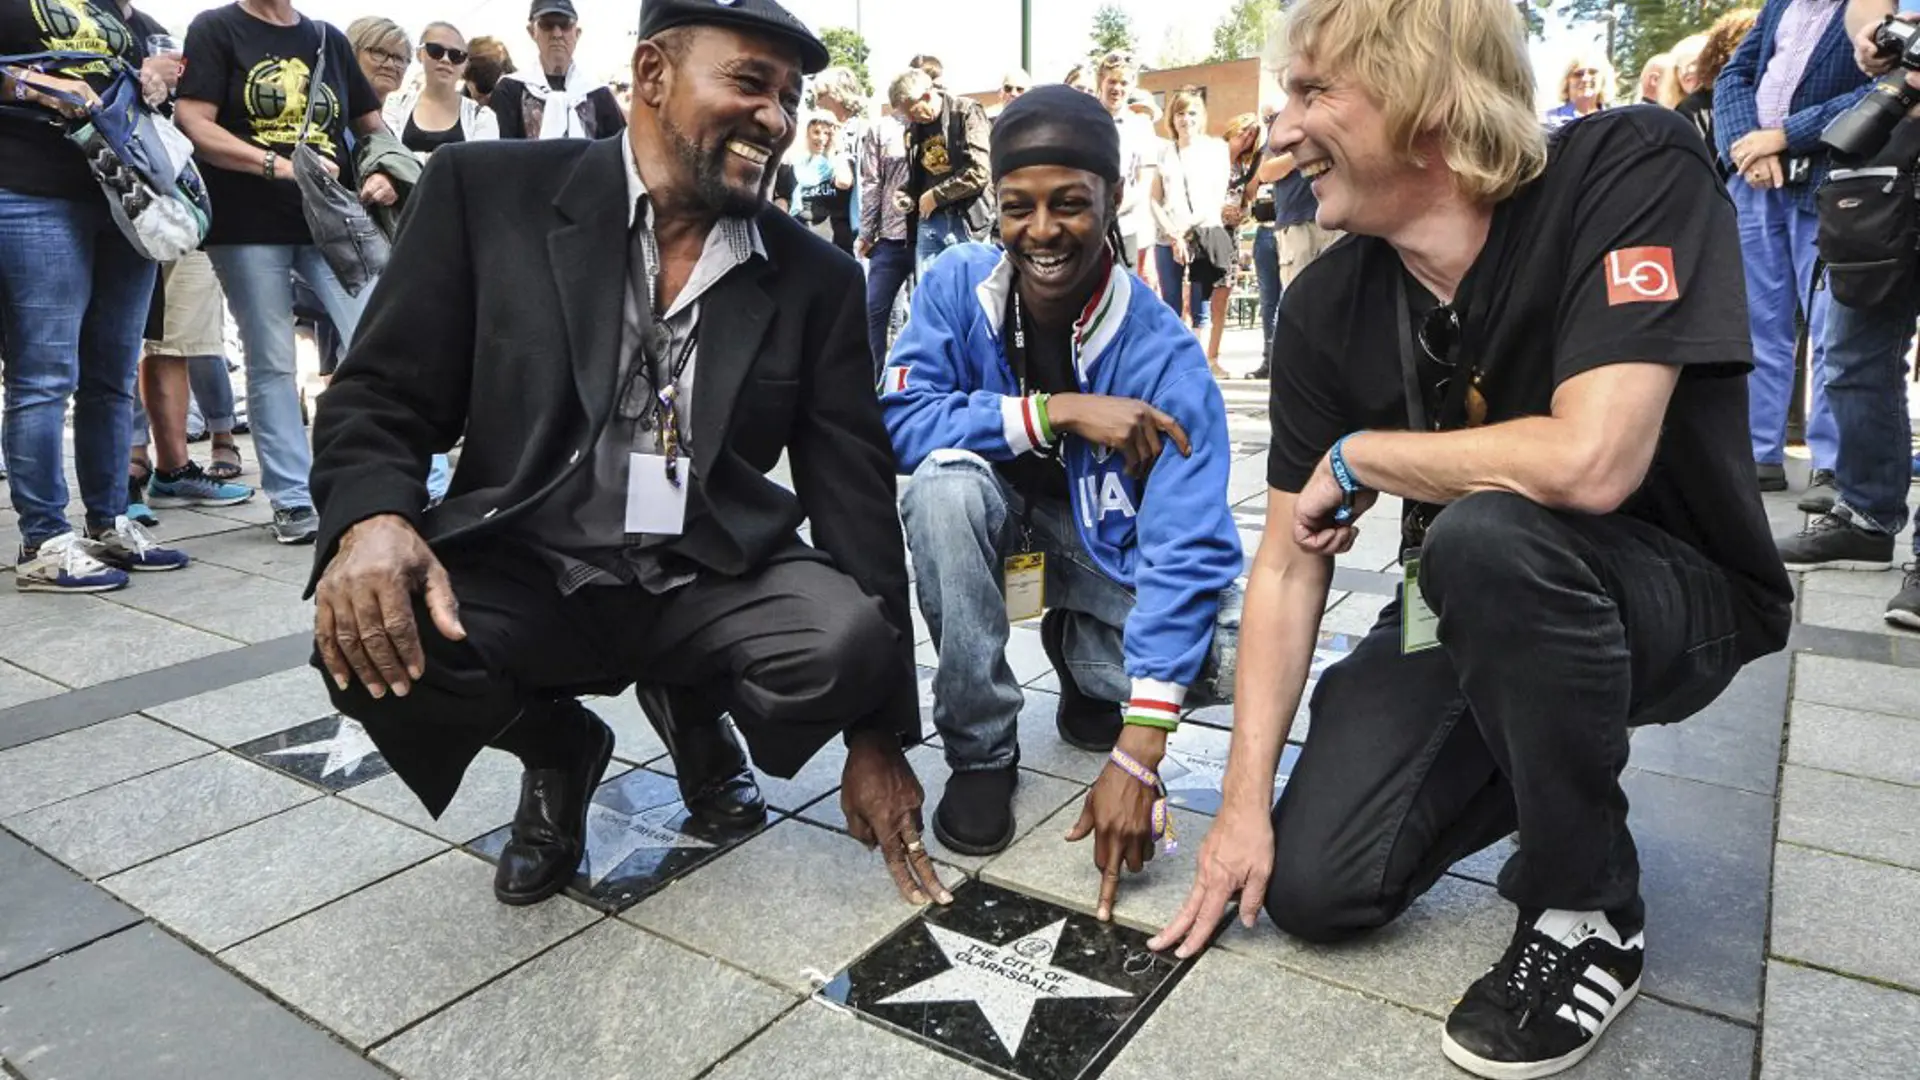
1777	251
1173	274
888	267
73	305
1867	388
258	281
1266	269
936	233
212	392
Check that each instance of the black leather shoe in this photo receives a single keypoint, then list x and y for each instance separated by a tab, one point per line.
975	815
1083	722
715	780
550	827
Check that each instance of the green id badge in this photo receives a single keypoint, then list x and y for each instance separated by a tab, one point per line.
1419	626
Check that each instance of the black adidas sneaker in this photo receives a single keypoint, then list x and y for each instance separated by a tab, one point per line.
1544	1006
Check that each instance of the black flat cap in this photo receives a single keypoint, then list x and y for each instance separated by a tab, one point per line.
763	16
1055	125
553	7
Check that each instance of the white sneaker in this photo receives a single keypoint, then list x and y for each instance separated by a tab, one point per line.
65	564
127	546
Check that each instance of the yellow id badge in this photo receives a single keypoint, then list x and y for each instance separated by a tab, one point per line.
1419	626
1026	577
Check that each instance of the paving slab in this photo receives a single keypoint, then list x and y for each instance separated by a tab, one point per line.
1354	615
613	1003
1866	744
1857	684
121	826
249	710
835	1043
1846	914
84	645
486	801
1846	611
1821	1026
141	1004
253	551
732	909
18	686
1882	584
1734	742
49	909
218	600
1850	815
234	886
88	759
373	962
1044	864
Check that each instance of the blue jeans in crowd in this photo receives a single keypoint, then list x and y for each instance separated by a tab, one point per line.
1777	251
258	281
1866	378
888	267
73	306
936	233
1173	275
1266	270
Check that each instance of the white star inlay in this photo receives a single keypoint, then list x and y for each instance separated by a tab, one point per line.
1004	981
344	752
614	836
1199	772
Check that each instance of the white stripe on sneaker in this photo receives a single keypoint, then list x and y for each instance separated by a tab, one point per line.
1599	977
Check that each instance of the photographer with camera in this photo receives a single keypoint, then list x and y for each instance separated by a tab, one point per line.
1868	233
1792	74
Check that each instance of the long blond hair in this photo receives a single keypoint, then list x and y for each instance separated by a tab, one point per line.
1456	69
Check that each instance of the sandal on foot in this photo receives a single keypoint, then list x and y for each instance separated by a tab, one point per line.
224	470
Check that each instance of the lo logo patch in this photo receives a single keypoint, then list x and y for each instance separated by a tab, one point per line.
1641	275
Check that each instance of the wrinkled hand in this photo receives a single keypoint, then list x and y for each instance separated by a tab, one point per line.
1236	859
882	799
378	191
1313	526
1755	145
1765	174
1132	427
34	87
1118	813
928	205
363	624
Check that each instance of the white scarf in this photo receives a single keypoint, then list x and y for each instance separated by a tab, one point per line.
564	114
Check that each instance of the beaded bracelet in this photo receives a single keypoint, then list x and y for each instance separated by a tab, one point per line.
1162	818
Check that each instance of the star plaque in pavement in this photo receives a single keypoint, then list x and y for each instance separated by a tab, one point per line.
1012	982
1196	766
333	752
639	838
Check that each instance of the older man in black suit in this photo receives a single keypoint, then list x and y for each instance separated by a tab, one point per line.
629	337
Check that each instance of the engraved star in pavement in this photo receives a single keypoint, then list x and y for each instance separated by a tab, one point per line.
344	752
614	836
1199	771
1004	981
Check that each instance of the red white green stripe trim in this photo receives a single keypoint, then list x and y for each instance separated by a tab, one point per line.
1022	424
1155	703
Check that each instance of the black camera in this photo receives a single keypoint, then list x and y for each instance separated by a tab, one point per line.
1861	131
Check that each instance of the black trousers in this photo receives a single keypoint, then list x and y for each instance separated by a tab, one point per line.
1558	632
794	650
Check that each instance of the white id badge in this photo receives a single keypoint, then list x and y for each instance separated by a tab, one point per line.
655	505
1026	577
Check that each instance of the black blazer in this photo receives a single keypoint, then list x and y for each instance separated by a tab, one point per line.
499	317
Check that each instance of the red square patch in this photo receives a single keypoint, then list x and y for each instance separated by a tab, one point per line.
1641	275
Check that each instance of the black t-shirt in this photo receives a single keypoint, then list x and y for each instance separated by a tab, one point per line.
421	141
1626	249
259	76
1046	368
36	158
784	182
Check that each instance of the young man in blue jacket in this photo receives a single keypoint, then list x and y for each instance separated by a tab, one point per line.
1069	449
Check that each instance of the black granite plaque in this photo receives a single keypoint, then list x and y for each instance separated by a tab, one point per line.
1026	987
639	838
333	752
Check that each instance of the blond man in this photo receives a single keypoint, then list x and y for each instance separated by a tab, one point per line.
1542	354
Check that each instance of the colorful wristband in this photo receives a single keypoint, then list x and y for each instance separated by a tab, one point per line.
1161	723
1342	475
1046	422
1162	817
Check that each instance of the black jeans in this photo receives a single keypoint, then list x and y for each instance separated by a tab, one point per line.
793	649
1558	632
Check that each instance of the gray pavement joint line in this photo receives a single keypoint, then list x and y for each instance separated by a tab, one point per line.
87	944
1852	976
1850	776
211	750
757	1032
1804	846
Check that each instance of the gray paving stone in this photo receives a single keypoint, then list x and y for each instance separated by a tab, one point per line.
92	757
613	1003
1734	742
1881	585
1656	1041
179	526
102	641
252	709
1422	960
146	817
1857	684
221	601
1044	864
1034	799
1846	611
380	959
142	1005
1354	615
48	909
1853	816
252	550
1823	1027
19	686
1861	743
726	909
1236	1018
1846	914
834	1043
234	886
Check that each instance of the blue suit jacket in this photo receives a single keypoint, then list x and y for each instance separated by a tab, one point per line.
1830	84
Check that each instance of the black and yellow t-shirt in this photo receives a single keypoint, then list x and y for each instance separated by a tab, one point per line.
260	76
36	158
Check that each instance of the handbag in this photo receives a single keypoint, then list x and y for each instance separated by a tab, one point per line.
1869	232
143	164
353	246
